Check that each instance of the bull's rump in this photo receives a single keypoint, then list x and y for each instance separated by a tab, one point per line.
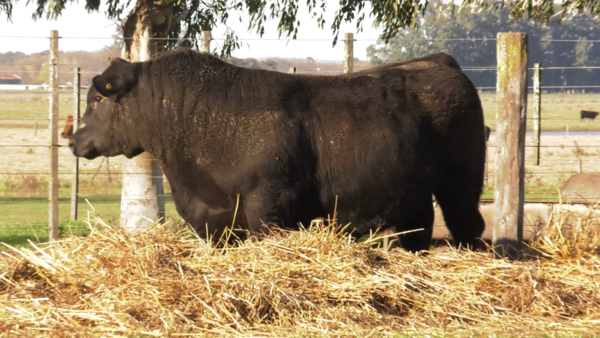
388	137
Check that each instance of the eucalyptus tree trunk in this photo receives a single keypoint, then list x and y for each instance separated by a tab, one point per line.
142	197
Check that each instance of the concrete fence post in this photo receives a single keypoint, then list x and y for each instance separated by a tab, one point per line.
53	125
511	125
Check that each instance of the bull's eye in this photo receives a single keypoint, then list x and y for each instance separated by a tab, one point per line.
98	98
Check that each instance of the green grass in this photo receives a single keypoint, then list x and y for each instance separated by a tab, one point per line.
532	193
19	235
18	109
26	218
31	185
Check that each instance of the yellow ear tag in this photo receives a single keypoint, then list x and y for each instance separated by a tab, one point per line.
108	86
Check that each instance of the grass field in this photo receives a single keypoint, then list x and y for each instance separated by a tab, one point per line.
24	161
26	218
558	111
19	109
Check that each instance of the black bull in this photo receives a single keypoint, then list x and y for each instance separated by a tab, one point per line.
382	141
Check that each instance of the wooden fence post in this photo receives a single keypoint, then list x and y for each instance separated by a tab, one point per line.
511	125
205	42
76	117
292	70
349	53
53	125
537	111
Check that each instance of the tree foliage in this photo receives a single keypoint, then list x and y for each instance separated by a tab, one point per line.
470	37
252	63
187	18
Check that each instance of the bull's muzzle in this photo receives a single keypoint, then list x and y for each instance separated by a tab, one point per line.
72	146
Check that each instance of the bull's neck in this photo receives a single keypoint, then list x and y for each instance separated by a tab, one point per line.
179	124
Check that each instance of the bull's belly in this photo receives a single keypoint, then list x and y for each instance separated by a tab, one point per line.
365	215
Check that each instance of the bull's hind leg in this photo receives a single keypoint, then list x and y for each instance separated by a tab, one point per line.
459	199
421	218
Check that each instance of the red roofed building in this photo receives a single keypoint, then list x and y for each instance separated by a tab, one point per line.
10	79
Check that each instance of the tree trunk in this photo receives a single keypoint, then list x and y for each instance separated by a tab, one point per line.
142	197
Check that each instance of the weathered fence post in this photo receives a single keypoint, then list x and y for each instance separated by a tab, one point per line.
537	111
349	53
511	125
205	42
53	125
76	117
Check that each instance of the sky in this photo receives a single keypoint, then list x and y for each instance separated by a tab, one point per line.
80	30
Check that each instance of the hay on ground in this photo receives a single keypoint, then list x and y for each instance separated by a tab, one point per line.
311	282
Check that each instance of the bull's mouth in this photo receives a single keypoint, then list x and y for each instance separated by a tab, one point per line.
90	154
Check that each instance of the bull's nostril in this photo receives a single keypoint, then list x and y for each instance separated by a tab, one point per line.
72	146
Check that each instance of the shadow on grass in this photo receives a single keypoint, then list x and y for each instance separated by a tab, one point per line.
20	235
25	218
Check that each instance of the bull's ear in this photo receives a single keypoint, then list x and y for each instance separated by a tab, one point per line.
120	77
109	86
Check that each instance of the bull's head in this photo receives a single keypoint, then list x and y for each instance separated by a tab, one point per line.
105	128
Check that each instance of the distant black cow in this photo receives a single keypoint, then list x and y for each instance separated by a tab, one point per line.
382	141
588	114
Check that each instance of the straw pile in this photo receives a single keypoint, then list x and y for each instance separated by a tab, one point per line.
311	282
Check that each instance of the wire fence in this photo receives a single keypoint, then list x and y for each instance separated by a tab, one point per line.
569	145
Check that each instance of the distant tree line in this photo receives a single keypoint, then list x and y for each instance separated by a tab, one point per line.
252	63
470	38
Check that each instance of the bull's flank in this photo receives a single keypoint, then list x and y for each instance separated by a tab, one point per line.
160	282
